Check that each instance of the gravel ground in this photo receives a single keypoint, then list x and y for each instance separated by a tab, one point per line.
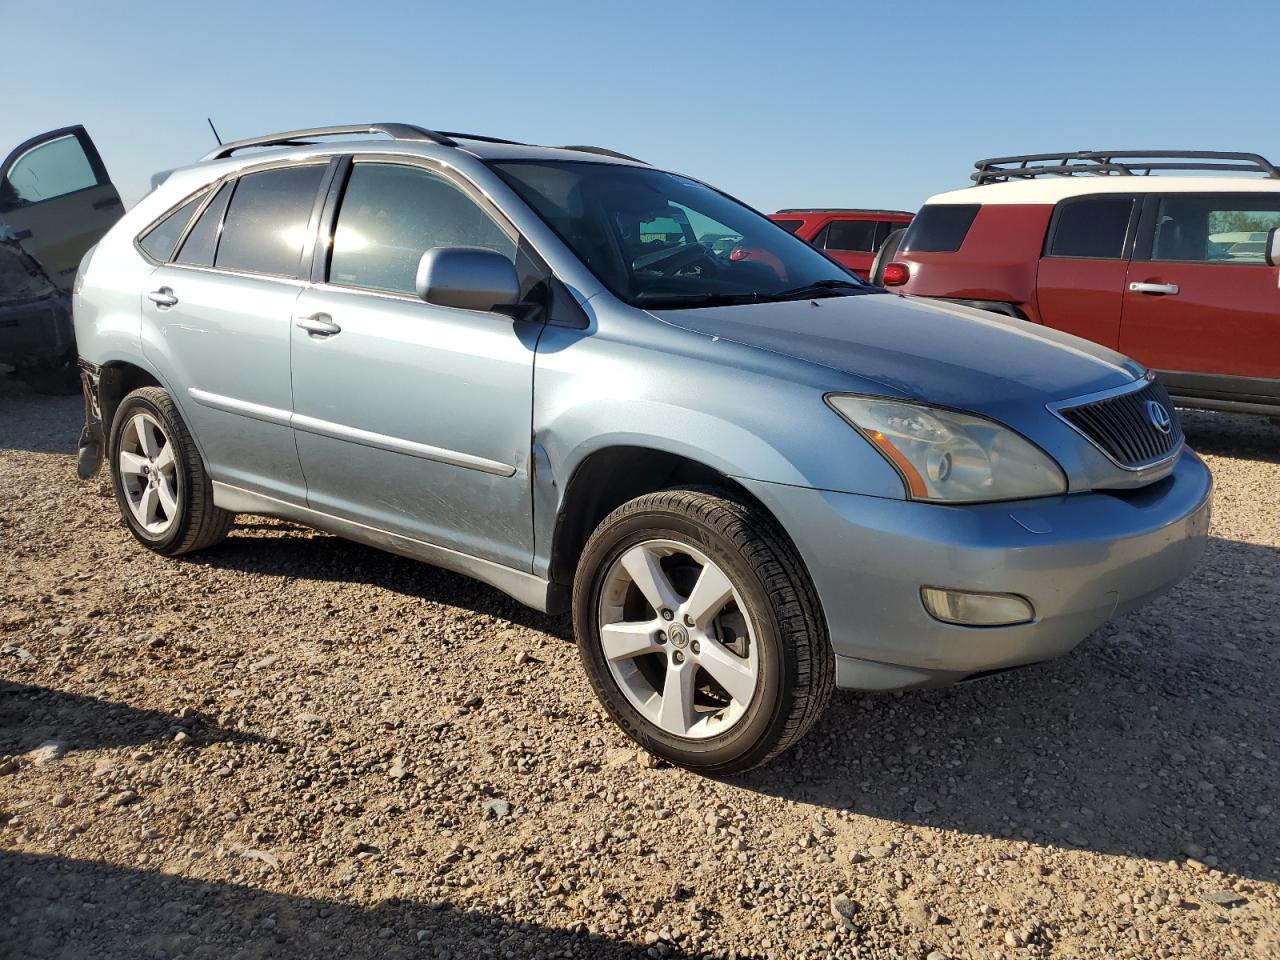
293	746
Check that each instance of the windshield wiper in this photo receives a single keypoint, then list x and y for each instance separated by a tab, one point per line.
679	300
828	288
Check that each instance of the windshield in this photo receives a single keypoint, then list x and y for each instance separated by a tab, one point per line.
659	240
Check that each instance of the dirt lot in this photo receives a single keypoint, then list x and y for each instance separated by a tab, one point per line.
297	747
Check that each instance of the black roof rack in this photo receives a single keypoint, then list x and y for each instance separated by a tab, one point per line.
896	213
396	131
1122	163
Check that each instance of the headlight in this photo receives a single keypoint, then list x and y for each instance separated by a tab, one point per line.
952	457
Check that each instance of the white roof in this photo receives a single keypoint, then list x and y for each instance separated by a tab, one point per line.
1053	189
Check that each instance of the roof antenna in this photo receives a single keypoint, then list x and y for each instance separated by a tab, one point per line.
215	130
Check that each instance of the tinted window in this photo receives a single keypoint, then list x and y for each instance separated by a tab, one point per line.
266	222
791	226
940	228
391	214
853	235
605	213
1215	229
1092	228
52	169
202	241
160	240
886	227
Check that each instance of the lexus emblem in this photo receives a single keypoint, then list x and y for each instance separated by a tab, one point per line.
1159	416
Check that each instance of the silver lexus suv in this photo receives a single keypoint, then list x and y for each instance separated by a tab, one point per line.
751	476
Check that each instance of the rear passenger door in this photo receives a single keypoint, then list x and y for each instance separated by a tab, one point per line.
410	417
217	318
1080	282
57	200
1201	304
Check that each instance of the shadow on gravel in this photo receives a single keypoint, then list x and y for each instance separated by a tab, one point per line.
1157	738
1232	435
37	423
58	907
31	716
283	549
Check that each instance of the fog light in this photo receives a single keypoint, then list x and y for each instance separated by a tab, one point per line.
977	609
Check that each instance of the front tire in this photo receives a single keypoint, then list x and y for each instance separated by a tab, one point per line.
700	630
161	486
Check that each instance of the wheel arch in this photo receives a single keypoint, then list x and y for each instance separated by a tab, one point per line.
609	477
116	380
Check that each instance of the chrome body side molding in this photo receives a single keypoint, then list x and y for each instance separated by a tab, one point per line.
338	431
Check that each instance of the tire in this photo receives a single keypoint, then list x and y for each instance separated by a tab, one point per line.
888	250
57	377
180	497
771	628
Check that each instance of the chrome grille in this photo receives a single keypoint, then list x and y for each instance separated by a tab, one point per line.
1122	425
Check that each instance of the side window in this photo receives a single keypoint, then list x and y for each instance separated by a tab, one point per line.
1093	228
791	226
886	227
160	240
201	243
392	214
46	171
852	236
266	222
940	228
1230	229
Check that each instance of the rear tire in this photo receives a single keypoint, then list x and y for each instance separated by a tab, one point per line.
745	627
161	486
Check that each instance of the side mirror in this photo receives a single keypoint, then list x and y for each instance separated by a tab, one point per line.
1273	247
469	278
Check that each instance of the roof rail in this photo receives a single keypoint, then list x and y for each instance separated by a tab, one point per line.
1117	163
296	138
396	131
601	151
896	213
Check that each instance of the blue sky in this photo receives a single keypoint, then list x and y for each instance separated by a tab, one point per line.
787	103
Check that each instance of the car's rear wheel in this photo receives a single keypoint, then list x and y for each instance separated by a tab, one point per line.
161	486
700	630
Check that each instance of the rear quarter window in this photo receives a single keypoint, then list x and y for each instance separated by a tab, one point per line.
791	226
160	241
940	228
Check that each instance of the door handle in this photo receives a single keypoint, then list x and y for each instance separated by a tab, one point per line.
163	297
318	324
1155	289
22	235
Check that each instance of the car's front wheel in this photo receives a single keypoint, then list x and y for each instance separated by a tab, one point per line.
161	486
700	630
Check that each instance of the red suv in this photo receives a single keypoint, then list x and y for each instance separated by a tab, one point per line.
1178	271
851	237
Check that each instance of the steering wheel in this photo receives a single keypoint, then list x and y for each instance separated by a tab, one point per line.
682	256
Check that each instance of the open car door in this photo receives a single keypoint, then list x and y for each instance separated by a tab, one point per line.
57	200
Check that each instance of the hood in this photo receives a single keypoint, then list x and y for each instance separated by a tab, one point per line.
930	351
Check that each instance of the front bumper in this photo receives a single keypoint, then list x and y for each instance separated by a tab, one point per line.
1081	559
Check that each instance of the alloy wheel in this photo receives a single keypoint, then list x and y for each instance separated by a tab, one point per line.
677	639
149	473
